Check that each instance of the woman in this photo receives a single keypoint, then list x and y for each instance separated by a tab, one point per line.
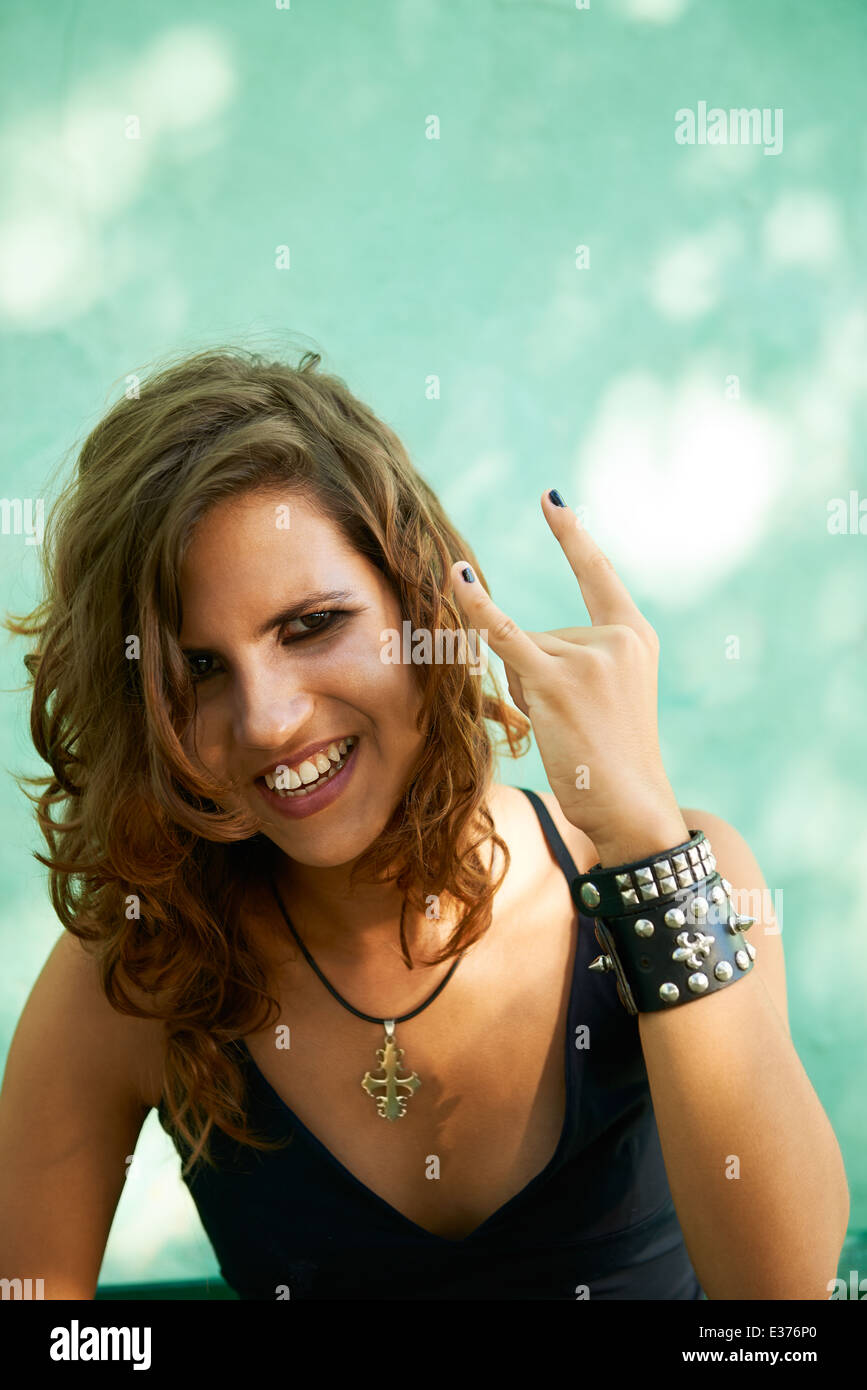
303	920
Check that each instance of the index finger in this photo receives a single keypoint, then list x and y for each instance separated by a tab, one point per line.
502	633
607	598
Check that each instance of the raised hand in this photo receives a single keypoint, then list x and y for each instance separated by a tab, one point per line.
590	694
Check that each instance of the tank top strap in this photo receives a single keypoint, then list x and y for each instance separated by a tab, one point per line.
552	834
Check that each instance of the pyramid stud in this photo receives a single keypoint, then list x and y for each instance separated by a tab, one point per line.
667	885
643	876
630	898
649	890
662	867
679	861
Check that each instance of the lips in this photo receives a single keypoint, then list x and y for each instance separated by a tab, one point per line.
316	796
313	771
308	753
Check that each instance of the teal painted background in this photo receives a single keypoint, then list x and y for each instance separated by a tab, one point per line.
698	386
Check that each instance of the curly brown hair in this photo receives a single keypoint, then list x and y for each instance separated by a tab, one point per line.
146	868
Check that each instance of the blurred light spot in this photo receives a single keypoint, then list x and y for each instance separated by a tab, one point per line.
186	78
68	172
814	809
686	280
827	392
802	229
103	168
654	11
680	484
41	257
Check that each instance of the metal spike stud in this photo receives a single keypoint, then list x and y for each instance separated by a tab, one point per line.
601	964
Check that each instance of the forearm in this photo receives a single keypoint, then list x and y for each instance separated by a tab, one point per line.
753	1164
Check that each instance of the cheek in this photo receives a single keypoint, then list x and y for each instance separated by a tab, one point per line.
401	697
189	738
202	745
398	683
363	677
387	691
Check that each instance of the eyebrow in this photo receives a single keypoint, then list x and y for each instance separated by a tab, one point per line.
308	604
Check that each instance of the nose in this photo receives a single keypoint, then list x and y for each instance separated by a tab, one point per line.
269	710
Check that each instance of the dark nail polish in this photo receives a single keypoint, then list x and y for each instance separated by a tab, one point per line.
468	575
556	498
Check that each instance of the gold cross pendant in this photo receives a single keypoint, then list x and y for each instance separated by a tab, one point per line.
390	1103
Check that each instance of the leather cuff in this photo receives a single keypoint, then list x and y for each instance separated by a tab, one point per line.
608	892
666	926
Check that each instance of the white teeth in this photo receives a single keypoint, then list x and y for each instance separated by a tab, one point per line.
285	779
290	779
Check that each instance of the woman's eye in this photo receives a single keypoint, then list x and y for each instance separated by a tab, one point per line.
330	614
303	619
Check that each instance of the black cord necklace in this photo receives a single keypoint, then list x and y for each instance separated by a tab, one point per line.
384	1089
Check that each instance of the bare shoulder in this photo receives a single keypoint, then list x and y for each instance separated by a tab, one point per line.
72	1104
133	1046
579	845
513	812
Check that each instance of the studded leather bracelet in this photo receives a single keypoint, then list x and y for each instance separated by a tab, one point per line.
666	926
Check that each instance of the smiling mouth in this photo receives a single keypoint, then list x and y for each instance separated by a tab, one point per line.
319	781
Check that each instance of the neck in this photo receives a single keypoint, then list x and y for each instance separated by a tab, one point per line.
350	925
359	924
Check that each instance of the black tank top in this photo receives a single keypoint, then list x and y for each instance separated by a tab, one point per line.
597	1222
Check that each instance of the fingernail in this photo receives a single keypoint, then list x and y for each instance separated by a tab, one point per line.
468	575
556	498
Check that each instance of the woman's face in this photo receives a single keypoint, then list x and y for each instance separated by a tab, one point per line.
268	691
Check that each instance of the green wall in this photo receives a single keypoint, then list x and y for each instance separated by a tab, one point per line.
695	379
